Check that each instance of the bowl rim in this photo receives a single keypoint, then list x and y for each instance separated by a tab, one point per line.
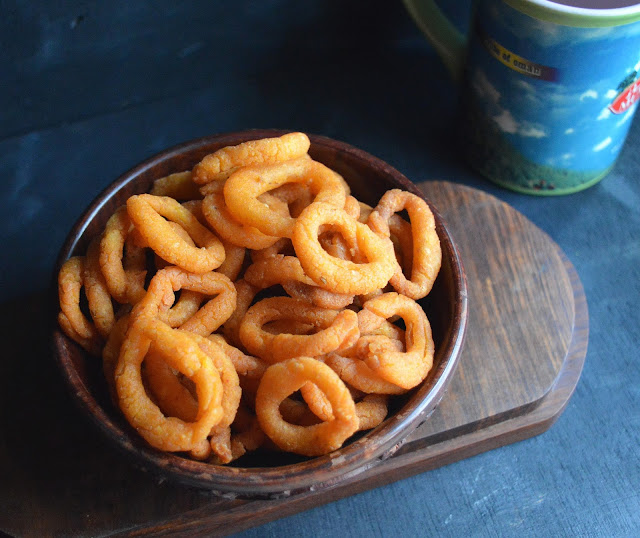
354	458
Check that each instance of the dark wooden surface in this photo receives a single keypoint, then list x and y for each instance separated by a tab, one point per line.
525	348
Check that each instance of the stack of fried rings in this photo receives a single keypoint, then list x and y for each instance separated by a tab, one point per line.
254	302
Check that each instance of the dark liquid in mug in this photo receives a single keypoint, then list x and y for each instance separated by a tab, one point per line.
597	4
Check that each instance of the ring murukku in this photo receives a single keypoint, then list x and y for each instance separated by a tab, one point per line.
426	251
248	368
70	284
403	368
310	368
217	291
229	228
245	293
183	354
336	274
233	260
316	295
147	211
371	411
243	187
122	262
111	352
179	186
218	165
287	271
335	330
283	379
97	292
359	375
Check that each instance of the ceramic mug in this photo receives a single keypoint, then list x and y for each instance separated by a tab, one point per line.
548	88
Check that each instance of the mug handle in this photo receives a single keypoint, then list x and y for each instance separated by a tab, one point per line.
449	43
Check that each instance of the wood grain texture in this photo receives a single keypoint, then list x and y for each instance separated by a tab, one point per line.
525	348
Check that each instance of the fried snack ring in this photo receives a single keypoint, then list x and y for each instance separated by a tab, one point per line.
208	317
316	295
182	353
229	228
317	401
70	284
248	368
147	211
297	196
281	246
179	186
336	274
403	368
233	260
287	271
186	306
282	379
91	344
245	293
400	235
111	352
169	393
97	292
246	436
371	411
357	374
427	253
218	165
174	399
336	330
229	377
242	189
122	262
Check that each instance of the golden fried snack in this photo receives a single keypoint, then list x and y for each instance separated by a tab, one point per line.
335	330
337	274
243	187
427	254
287	271
229	228
179	186
121	260
111	352
70	284
316	295
281	246
283	379
218	290
301	372
220	164
357	374
248	368
233	261
147	211
371	410
245	293
297	196
405	368
183	354
97	292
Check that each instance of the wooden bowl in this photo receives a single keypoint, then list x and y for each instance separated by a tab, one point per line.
265	475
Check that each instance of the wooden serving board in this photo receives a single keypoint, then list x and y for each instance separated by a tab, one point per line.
525	347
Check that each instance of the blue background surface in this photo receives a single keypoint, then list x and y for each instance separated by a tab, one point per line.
89	89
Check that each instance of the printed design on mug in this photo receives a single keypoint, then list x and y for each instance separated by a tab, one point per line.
547	134
628	94
513	61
